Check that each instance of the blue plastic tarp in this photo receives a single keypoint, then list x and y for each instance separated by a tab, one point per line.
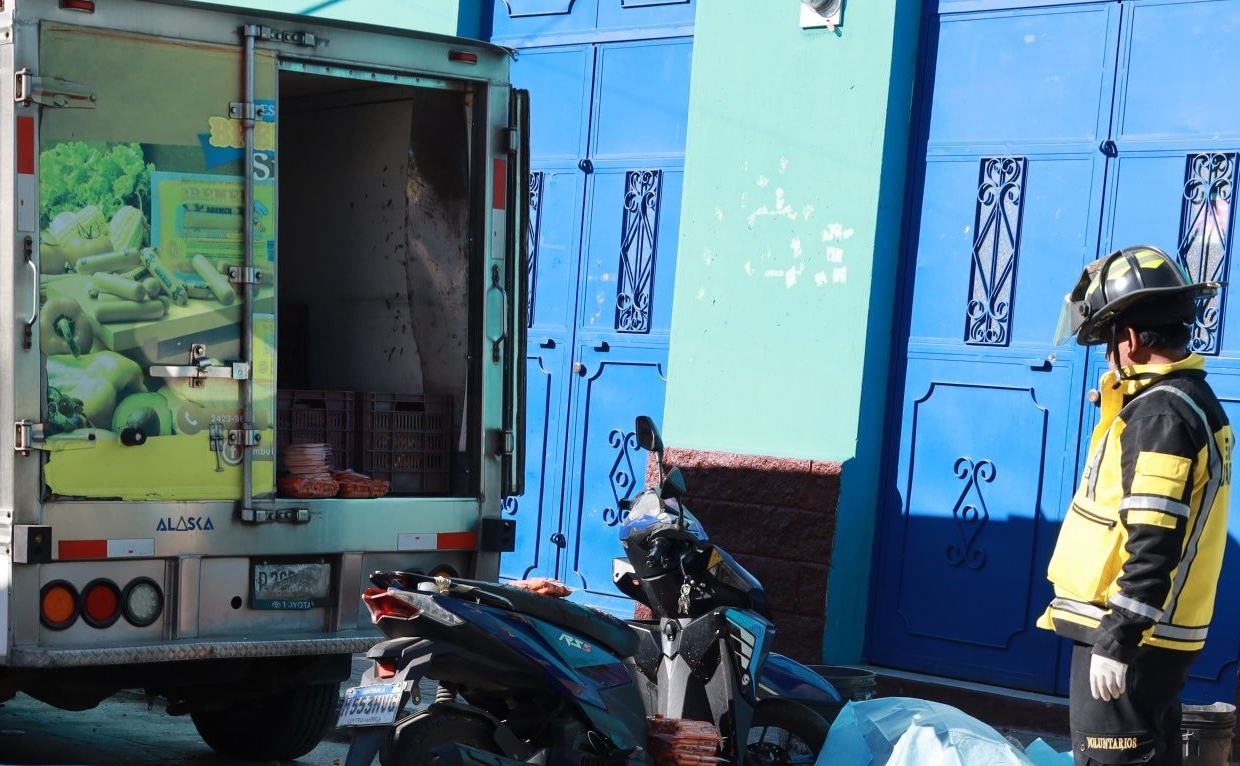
904	731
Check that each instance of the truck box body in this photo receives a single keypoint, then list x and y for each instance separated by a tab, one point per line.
246	252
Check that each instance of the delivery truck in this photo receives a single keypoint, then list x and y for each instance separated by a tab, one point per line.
263	335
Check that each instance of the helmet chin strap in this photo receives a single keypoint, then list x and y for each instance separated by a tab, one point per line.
1113	348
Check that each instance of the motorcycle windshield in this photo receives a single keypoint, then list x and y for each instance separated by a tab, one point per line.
650	514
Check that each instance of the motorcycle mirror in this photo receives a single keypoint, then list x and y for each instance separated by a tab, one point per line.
648	435
649	439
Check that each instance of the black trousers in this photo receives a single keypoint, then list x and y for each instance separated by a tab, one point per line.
1142	726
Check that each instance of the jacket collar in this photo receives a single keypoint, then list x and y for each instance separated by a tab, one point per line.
1138	377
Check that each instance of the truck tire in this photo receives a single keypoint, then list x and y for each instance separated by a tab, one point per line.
279	727
784	732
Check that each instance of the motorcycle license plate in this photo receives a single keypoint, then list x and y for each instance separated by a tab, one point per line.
374	705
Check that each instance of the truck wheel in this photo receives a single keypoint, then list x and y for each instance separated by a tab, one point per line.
784	732
425	731
279	727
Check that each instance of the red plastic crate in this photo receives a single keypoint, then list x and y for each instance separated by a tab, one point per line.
407	440
306	416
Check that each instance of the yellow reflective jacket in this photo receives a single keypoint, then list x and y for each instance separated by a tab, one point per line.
1139	553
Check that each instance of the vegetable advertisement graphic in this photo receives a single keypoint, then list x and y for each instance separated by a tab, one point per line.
142	233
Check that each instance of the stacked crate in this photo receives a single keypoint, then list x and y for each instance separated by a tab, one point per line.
405	439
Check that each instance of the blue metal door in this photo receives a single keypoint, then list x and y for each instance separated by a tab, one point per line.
1176	140
1053	135
1010	199
607	162
560	81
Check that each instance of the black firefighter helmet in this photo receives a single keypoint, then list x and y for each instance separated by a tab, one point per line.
1141	284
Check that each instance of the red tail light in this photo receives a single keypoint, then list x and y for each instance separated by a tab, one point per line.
381	604
101	603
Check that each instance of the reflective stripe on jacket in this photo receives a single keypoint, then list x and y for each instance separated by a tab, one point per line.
1139	553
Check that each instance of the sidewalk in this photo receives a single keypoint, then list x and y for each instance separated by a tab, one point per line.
1024	717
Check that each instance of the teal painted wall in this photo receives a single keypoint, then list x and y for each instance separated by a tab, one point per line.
790	231
445	17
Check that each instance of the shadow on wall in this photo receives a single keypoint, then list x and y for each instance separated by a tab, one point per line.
776	516
961	578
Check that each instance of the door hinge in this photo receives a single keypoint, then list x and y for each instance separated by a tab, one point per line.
512	140
28	436
248	110
30	88
274	515
200	368
504	441
271	34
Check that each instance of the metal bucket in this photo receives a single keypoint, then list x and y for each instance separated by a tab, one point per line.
852	683
1207	732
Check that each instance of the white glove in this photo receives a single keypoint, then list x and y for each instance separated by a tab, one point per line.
1108	678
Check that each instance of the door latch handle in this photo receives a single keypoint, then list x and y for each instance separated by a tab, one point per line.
548	343
585	166
559	540
1042	364
1108	148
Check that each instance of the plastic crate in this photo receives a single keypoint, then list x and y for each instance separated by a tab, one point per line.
406	439
318	417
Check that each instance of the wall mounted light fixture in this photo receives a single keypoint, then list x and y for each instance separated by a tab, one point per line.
822	13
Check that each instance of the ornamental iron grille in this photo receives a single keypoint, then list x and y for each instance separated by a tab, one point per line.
639	233
996	243
970	518
621	477
531	245
1205	229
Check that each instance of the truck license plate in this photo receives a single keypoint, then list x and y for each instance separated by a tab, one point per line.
290	585
374	705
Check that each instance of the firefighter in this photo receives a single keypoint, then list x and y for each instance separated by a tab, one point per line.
1138	557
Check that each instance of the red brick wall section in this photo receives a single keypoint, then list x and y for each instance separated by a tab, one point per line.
776	516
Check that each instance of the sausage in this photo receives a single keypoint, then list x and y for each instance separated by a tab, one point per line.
117	285
118	260
130	311
220	286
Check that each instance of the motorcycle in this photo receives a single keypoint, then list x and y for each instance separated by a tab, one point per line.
525	678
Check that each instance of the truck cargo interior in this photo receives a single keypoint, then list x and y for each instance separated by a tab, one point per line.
373	310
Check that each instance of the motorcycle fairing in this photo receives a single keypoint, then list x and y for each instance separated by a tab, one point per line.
611	708
748	636
785	677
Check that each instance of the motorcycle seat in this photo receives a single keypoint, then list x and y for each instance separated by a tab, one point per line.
611	633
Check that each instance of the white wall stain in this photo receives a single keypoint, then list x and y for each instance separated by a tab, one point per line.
718	214
708	256
781	210
831	255
763	182
701	293
783	164
836	231
789	276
